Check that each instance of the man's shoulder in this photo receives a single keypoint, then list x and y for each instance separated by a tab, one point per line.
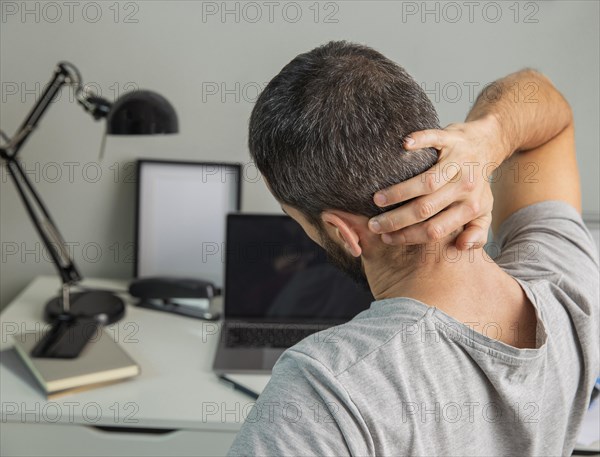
545	237
339	348
549	245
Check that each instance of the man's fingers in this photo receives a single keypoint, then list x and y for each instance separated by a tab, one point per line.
432	138
473	237
418	210
475	234
434	229
426	183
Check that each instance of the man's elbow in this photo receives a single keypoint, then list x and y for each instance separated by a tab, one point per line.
541	84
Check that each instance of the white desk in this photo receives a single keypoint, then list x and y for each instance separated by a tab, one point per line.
177	395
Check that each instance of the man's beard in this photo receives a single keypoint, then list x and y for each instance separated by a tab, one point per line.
339	258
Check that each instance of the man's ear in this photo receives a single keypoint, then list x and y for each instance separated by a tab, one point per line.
342	230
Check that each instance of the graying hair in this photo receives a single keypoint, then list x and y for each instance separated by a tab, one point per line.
327	131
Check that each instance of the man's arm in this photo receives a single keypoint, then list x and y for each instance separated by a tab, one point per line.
535	124
521	119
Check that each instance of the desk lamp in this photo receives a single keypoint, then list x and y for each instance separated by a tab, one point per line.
75	315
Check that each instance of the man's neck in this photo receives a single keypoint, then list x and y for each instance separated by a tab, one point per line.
466	285
460	283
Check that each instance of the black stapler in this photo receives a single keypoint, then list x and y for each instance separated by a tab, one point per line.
185	296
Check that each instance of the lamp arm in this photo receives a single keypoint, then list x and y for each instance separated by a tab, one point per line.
59	78
65	73
45	226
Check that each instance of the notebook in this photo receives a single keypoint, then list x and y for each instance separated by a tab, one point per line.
102	361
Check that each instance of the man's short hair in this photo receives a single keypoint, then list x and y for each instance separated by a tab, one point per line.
327	132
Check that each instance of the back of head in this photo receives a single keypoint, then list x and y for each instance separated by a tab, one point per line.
327	131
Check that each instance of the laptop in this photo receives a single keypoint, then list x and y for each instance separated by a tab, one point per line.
279	289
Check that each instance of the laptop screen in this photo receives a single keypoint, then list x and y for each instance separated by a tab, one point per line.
274	271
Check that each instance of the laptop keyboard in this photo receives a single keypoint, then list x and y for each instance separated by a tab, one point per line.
269	337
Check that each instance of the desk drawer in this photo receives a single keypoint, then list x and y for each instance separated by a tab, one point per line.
22	439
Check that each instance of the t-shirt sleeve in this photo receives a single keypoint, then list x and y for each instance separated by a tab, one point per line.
549	240
304	411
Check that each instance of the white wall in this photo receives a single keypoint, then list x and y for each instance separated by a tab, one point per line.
176	50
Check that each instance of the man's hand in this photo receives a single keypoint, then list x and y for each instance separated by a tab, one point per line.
454	193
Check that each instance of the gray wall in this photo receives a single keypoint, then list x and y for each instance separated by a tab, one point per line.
210	66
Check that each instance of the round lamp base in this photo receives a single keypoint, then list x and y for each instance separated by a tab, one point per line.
102	306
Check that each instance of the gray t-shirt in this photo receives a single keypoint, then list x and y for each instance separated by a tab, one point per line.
403	378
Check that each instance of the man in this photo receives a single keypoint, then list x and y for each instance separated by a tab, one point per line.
459	354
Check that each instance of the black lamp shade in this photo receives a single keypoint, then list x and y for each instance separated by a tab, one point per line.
141	112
